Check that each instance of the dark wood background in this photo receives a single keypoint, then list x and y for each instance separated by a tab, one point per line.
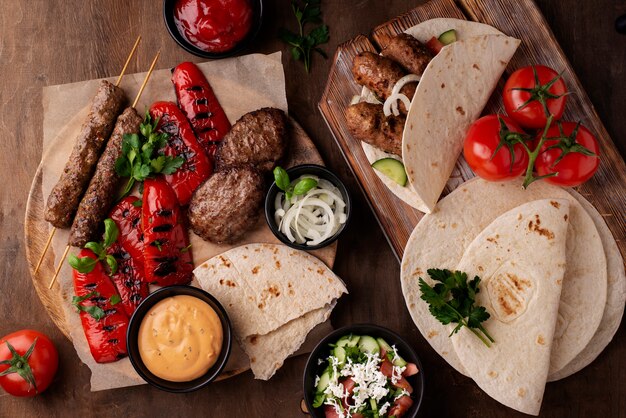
45	43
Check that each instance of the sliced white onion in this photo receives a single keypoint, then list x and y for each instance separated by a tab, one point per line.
313	217
391	104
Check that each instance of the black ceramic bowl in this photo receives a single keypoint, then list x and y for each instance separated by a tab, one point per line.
133	331
294	173
257	20
322	350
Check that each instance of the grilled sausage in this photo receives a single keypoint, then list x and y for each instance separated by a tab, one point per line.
101	193
410	53
380	74
367	123
66	194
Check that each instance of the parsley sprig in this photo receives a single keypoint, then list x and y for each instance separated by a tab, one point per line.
142	155
452	300
87	264
302	44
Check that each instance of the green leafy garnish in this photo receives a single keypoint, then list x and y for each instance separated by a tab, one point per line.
452	300
307	11
115	299
142	155
87	264
94	310
283	183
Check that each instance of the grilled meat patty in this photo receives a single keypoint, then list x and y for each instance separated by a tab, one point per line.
410	53
67	192
102	190
367	123
258	138
227	205
380	74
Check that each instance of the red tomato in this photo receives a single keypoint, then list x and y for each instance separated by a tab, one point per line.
481	142
575	167
434	45
400	406
410	370
526	91
39	366
329	412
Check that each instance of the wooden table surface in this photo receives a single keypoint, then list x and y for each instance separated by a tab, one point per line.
45	43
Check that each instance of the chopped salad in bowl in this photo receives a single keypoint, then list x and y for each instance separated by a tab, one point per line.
362	372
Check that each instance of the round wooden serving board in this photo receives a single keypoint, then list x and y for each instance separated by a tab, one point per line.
302	151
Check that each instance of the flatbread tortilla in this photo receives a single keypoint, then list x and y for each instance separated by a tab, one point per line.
616	297
440	239
521	259
472	55
267	291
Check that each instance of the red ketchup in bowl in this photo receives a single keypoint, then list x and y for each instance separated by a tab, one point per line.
213	25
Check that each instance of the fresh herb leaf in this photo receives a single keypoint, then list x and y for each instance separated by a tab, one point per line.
87	264
301	43
452	300
95	311
137	203
304	186
281	178
115	299
185	249
142	155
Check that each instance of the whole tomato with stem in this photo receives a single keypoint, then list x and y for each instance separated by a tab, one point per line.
533	93
569	155
28	362
494	148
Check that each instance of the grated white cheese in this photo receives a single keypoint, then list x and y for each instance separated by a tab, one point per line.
396	373
383	408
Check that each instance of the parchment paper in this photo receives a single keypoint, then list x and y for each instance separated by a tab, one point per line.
241	85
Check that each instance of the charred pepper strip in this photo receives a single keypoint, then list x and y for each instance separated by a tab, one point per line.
167	256
198	102
181	142
129	279
103	318
127	216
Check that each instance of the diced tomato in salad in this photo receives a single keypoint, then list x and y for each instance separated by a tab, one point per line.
434	45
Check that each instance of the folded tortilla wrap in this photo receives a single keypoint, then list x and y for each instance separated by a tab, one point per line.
267	291
440	239
450	95
521	260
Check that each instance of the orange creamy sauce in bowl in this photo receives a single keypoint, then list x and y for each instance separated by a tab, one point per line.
180	338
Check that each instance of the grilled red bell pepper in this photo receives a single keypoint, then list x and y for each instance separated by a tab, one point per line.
106	335
182	143
127	216
198	102
129	278
167	255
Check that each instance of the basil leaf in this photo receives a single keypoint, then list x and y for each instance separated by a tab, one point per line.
115	299
95	311
281	178
96	247
82	265
111	232
304	186
112	262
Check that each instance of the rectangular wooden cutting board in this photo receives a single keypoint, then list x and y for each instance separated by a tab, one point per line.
521	19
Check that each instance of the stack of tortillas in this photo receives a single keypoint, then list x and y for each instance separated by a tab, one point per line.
274	296
552	279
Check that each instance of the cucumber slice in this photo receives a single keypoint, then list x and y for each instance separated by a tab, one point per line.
368	344
323	382
354	341
393	169
343	341
397	361
340	353
448	37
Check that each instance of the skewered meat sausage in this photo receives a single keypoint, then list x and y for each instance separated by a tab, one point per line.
367	123
410	53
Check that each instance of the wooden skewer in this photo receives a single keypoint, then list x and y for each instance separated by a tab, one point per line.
45	249
56	273
130	56
143	85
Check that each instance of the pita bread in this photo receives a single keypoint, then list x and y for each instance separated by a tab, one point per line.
440	239
521	259
271	293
